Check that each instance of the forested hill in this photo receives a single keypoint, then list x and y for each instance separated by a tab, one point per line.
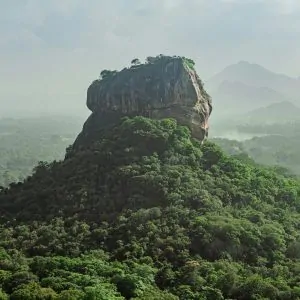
25	141
147	213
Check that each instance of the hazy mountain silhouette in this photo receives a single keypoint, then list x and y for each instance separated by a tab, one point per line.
284	111
240	97
244	87
257	76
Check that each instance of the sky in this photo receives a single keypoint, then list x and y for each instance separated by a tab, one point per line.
50	51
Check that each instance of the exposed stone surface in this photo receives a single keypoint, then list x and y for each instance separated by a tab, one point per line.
166	87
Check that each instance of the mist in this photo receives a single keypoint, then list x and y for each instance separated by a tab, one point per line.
51	52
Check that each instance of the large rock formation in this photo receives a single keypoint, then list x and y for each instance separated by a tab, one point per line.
161	88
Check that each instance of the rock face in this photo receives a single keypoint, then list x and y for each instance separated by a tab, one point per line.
165	87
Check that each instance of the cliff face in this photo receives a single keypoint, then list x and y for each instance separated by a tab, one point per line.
165	87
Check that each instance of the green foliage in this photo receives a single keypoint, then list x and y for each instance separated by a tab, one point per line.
189	62
103	291
135	62
153	59
33	291
71	295
3	296
104	74
155	294
146	212
25	142
279	152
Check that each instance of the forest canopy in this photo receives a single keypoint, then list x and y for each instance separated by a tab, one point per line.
146	212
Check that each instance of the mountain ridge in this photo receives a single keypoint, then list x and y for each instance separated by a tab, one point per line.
257	76
244	66
243	87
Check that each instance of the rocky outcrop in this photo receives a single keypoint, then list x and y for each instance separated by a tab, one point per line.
164	87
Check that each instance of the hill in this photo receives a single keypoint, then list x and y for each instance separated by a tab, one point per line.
239	98
279	112
244	87
146	212
257	76
270	150
26	141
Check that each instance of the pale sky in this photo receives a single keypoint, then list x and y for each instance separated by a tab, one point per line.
51	50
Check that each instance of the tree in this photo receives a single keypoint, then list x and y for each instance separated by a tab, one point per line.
33	291
189	62
103	291
150	60
71	295
135	62
107	73
154	59
3	296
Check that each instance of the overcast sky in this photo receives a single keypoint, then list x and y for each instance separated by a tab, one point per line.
52	49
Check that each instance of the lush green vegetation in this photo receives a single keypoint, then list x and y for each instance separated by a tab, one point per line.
24	142
136	63
270	150
147	213
189	62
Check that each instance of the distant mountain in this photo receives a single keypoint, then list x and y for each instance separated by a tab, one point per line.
237	97
243	87
258	76
259	121
280	112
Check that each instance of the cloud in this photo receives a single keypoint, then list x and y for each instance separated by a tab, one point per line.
78	23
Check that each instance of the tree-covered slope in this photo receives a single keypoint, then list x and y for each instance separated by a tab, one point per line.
270	150
147	213
24	142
